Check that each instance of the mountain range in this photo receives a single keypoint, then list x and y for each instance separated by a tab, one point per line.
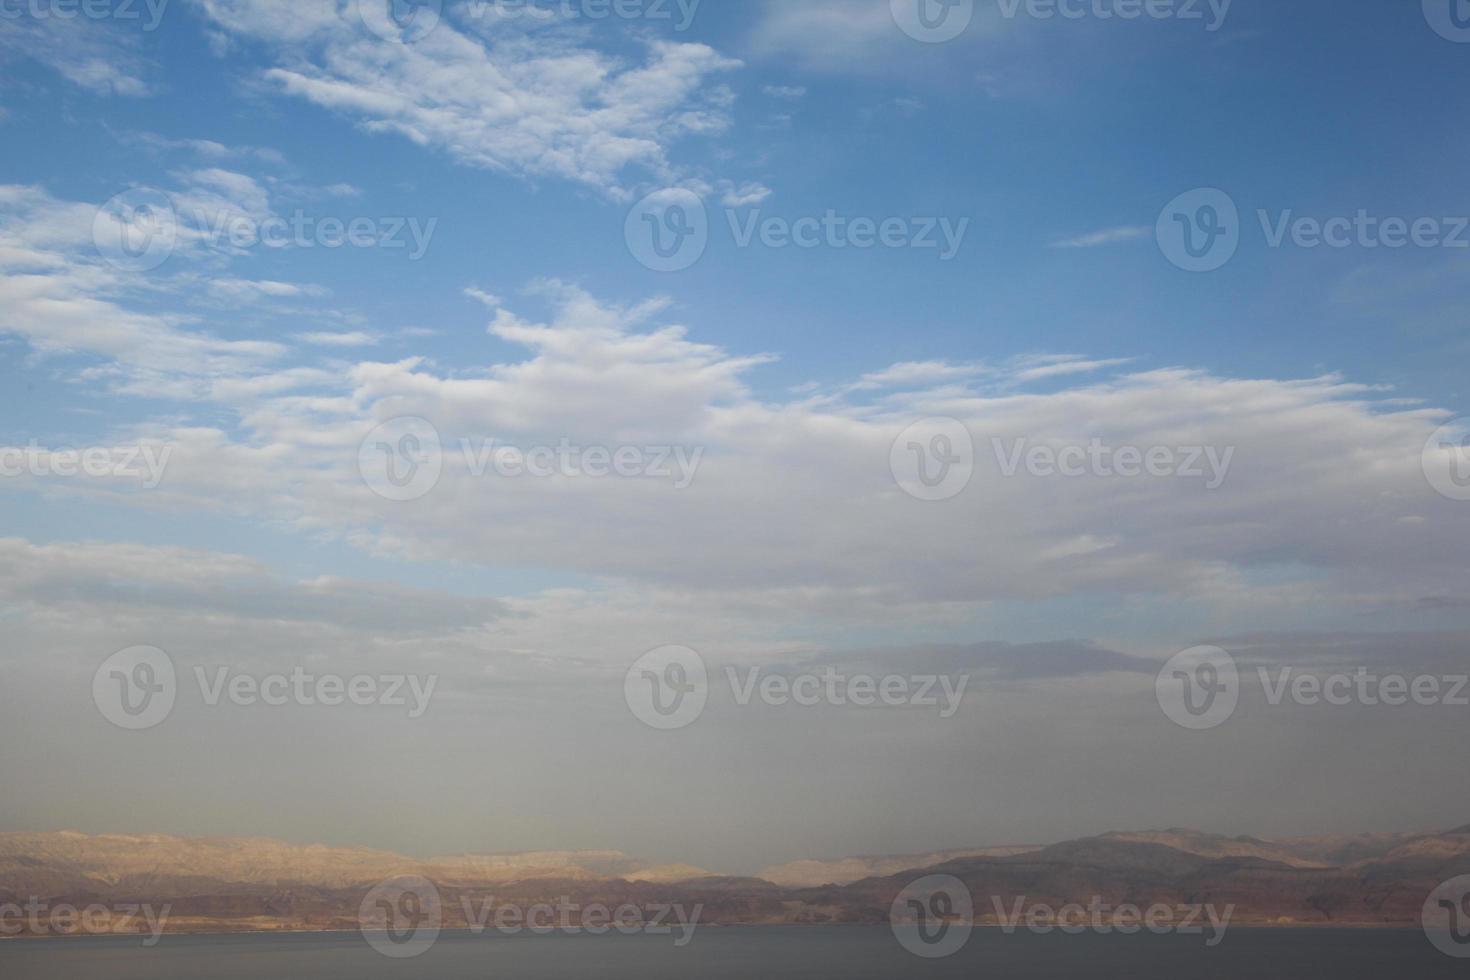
252	884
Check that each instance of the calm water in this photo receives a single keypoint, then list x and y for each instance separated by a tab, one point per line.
848	953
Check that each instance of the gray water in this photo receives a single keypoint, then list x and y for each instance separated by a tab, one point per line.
760	953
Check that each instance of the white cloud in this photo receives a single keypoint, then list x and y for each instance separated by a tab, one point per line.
355	338
246	288
1043	366
827	34
481	296
919	373
534	103
1313	507
745	195
1107	236
97	56
58	294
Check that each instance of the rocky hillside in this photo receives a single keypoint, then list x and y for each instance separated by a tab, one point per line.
250	884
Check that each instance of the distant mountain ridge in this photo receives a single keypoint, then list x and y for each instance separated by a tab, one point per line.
254	884
842	871
38	863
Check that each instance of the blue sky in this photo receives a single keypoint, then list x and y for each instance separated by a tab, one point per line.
520	145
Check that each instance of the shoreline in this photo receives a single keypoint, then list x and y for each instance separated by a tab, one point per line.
480	933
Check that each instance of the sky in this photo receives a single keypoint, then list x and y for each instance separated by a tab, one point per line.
821	274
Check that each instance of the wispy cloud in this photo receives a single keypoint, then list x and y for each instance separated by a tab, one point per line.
355	338
1108	236
1041	366
521	101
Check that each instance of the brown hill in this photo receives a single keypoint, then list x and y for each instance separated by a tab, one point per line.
254	884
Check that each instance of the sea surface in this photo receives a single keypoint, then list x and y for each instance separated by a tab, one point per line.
754	953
